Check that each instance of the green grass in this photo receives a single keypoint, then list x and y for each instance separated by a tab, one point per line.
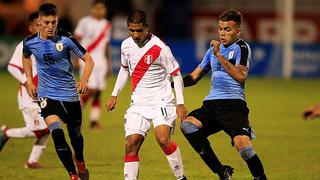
288	146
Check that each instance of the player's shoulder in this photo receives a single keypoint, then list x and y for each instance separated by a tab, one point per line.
156	40
242	44
29	38
127	42
63	33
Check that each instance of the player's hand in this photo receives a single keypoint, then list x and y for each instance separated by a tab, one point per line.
111	103
82	87
32	90
216	46
181	112
311	113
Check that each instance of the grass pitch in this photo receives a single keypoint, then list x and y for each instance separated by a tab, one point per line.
288	147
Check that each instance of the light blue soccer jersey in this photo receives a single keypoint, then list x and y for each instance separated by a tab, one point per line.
223	86
56	79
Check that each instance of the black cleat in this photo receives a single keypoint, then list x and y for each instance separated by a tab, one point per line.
263	177
226	173
184	178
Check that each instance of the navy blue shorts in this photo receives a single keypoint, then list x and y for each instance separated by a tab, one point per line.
69	112
229	115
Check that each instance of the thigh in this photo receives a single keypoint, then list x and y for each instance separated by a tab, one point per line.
167	117
51	107
33	119
74	113
135	123
208	119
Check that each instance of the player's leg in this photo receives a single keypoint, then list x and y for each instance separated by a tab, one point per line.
22	132
37	150
243	145
95	109
171	150
136	128
74	121
131	159
53	111
37	124
196	128
62	148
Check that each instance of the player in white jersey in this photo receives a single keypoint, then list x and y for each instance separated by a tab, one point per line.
34	123
94	33
150	64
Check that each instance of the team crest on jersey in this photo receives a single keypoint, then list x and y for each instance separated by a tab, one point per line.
59	46
148	59
43	102
231	53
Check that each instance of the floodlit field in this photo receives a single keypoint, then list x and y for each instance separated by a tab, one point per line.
288	146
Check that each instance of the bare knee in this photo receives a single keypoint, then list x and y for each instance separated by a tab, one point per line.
132	145
163	142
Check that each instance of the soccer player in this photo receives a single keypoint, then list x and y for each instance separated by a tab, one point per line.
34	123
150	64
57	90
94	33
312	112
225	106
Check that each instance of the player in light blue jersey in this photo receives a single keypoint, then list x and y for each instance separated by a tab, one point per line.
225	107
57	90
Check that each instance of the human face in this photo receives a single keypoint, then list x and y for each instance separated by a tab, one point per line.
99	10
229	32
48	26
34	26
138	32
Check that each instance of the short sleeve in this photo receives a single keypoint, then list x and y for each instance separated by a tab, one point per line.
74	45
243	54
168	61
205	63
16	57
26	50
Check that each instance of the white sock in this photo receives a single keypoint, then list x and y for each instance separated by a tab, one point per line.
131	168
36	153
20	132
175	161
95	113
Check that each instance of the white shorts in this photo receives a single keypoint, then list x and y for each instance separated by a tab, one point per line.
138	119
32	118
97	79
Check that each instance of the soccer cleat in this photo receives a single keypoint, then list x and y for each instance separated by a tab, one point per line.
263	177
184	178
95	125
74	177
3	137
82	170
33	165
226	173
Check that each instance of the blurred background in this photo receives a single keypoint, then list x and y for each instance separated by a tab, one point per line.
284	34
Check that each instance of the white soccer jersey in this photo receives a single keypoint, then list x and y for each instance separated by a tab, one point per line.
94	34
15	67
150	68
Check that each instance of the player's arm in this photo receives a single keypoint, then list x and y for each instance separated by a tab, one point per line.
88	67
311	113
120	83
239	72
193	78
27	67
178	88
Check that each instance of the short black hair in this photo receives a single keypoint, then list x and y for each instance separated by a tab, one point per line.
98	2
47	9
33	16
231	15
138	16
